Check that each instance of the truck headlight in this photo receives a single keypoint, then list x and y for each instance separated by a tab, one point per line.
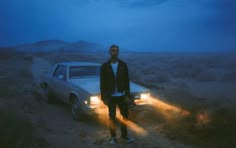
144	96
94	100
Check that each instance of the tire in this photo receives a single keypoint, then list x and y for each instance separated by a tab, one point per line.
76	109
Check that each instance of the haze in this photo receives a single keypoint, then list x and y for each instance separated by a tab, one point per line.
138	25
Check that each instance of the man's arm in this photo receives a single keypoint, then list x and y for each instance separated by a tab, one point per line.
102	85
128	98
127	87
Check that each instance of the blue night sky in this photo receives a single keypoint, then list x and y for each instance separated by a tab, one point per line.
153	25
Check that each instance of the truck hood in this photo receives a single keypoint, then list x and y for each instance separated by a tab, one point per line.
92	85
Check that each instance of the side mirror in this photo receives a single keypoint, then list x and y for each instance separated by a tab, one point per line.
60	77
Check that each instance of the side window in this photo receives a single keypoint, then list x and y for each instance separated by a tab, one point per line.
60	72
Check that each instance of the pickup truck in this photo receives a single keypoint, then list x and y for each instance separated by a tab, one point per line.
77	84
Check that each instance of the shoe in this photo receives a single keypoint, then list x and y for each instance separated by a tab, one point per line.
128	139
112	140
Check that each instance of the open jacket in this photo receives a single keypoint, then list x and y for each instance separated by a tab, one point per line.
108	82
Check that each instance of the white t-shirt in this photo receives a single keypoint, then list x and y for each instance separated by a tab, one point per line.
114	68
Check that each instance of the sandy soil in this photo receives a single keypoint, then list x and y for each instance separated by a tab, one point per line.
180	81
55	123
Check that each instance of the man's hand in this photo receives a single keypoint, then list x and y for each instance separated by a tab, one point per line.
127	100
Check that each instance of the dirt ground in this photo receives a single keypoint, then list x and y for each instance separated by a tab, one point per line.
61	130
164	128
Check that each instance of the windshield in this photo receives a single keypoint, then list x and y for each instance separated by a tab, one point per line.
84	71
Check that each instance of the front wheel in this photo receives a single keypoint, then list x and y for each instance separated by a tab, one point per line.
76	109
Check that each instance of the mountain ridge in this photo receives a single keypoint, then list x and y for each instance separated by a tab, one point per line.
58	45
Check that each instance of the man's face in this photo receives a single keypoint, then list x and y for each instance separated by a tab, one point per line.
114	52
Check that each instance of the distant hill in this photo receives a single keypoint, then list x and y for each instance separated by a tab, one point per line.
59	45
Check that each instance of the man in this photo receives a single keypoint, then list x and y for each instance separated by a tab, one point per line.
115	90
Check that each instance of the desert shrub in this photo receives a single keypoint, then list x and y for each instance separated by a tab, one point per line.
17	131
187	73
20	69
25	72
180	84
7	53
159	77
210	63
231	75
206	76
162	77
133	74
182	64
28	58
178	93
213	128
4	91
147	70
152	72
5	86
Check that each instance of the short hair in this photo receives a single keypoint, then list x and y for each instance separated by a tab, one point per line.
113	46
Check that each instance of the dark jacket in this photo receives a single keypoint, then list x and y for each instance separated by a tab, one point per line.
108	81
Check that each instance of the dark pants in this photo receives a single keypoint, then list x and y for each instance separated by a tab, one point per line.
112	115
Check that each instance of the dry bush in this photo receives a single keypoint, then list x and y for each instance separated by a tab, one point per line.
161	77
229	76
206	75
182	63
24	72
187	73
184	74
7	53
4	88
209	124
150	72
213	129
178	94
17	131
134	74
16	73
28	58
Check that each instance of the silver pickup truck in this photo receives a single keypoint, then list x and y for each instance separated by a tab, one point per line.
77	83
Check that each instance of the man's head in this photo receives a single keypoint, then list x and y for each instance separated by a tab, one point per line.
114	51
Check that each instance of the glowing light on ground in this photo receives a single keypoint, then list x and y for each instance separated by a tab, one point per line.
103	118
102	115
203	118
134	127
169	111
